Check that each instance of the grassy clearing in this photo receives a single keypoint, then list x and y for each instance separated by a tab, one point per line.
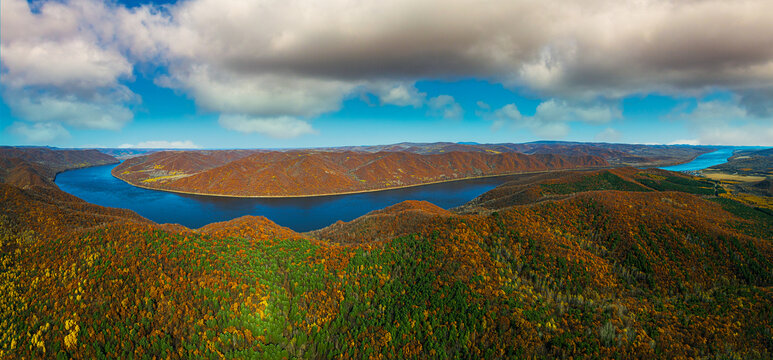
721	176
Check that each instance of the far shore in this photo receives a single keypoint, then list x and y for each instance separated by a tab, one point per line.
357	191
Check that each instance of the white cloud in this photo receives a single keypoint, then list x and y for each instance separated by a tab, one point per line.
40	133
714	112
281	127
597	47
685	142
264	95
507	114
161	144
552	111
552	117
71	110
754	134
445	106
299	58
73	63
61	67
608	135
398	94
718	122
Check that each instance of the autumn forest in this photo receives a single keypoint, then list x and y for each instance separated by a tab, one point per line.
579	256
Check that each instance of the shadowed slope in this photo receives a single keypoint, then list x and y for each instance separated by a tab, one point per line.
20	173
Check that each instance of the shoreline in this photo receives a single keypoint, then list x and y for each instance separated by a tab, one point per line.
83	167
691	159
356	191
733	149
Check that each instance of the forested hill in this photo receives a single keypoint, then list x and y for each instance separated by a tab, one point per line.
620	263
303	173
37	166
56	160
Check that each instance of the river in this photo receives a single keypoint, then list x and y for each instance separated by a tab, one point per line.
96	185
704	160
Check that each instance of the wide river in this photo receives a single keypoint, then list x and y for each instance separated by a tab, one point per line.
96	185
704	160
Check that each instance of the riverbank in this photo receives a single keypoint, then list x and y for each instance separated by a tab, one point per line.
352	192
97	185
86	166
704	160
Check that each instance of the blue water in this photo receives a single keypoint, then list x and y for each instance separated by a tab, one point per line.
704	161
96	185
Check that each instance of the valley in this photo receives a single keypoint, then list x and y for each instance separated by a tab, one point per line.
638	263
243	173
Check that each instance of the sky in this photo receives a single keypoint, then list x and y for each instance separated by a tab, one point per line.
311	73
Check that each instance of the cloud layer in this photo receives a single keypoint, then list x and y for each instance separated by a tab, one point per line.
262	62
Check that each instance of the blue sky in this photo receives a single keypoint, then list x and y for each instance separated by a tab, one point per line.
236	74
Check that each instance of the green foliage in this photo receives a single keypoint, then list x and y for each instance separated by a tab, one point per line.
603	181
683	184
756	222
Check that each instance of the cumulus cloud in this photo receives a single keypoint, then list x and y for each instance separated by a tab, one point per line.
553	117
40	133
685	142
747	134
299	58
608	135
78	64
312	56
713	112
281	127
560	111
59	67
70	110
398	94
260	94
507	114
718	122
569	48
445	106
161	144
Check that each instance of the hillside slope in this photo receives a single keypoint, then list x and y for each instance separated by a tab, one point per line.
54	161
532	188
615	154
590	272
304	173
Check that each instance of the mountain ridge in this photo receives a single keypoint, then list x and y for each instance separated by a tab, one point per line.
309	173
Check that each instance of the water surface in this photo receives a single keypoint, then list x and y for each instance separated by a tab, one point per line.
96	185
704	160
